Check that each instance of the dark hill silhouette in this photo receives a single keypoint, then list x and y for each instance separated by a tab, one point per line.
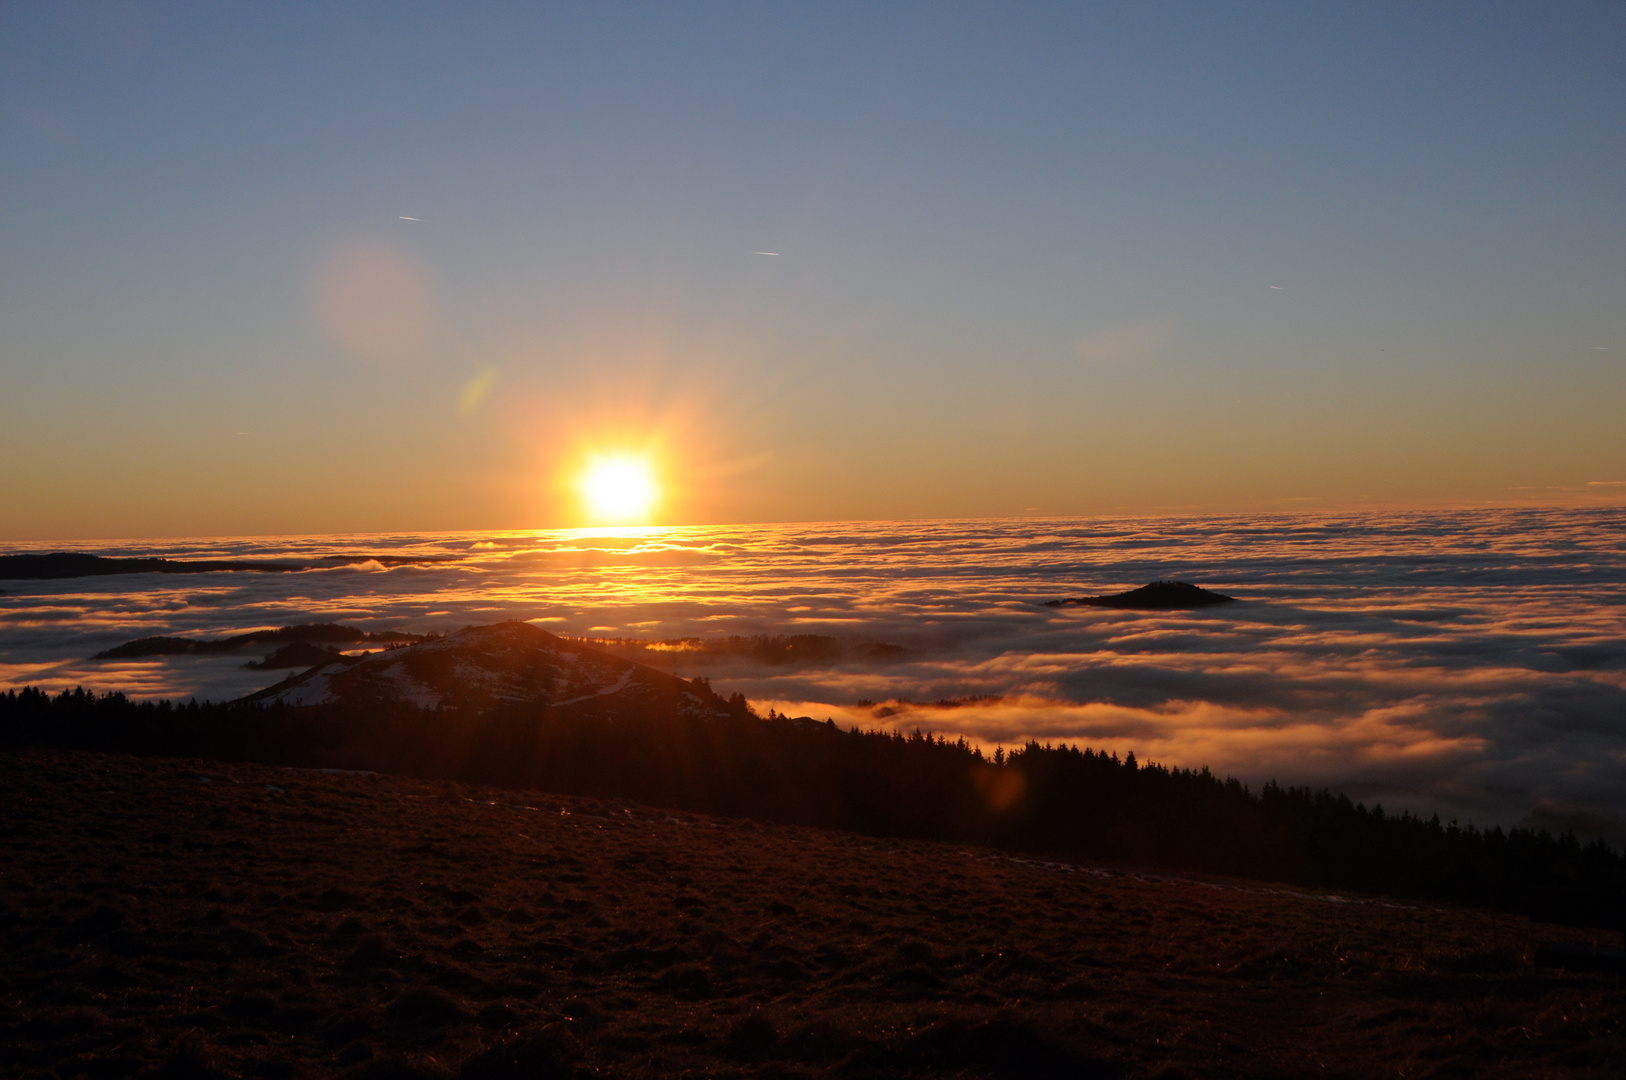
1156	596
508	664
300	654
72	564
312	633
69	564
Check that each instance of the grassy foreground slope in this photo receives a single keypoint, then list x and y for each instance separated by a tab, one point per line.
679	745
180	918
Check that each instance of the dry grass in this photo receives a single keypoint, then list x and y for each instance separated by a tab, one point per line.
282	923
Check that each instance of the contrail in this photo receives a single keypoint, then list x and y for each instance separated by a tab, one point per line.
405	218
1283	288
764	252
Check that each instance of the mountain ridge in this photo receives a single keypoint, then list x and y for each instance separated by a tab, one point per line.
504	664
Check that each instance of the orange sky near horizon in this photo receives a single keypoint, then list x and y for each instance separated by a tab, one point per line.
287	272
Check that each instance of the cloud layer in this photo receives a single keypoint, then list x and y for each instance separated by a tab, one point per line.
1471	663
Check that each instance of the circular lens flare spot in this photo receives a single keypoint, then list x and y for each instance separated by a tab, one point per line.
619	491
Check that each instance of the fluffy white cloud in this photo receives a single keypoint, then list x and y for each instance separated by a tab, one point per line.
1473	663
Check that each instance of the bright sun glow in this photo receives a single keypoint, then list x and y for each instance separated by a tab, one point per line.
619	490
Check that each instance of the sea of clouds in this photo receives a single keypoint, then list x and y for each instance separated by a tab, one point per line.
1469	663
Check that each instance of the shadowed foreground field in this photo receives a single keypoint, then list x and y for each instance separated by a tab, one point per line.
192	919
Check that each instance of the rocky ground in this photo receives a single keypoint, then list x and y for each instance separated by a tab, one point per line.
193	919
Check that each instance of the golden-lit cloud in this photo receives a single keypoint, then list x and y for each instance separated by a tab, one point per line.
1480	693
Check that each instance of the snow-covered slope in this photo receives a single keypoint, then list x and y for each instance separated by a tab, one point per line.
509	663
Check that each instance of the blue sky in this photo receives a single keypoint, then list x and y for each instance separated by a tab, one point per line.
1026	260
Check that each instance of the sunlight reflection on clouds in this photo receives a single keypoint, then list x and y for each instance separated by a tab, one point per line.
1472	662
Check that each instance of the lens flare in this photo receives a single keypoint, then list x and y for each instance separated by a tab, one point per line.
619	490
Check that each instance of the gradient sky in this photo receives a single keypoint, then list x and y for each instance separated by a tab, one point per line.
1057	259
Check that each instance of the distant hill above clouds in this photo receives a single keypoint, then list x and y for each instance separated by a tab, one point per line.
511	663
299	654
324	634
72	564
36	566
1156	596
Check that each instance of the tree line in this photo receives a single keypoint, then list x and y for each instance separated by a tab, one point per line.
1041	799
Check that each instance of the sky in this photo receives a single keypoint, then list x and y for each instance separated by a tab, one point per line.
271	269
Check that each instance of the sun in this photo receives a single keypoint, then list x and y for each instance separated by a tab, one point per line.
619	490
